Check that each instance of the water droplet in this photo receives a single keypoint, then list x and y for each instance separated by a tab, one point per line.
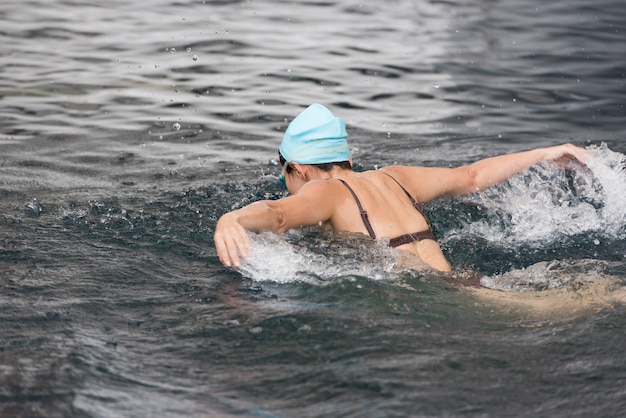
195	58
304	328
35	207
188	49
176	126
173	50
436	85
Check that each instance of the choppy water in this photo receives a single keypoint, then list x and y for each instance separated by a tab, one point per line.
126	129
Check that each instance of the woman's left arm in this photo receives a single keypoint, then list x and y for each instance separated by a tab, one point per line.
429	183
491	171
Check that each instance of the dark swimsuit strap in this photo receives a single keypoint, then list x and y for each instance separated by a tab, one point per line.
412	237
415	203
415	236
364	216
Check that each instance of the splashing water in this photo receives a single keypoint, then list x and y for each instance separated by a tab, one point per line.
314	257
271	258
609	169
546	203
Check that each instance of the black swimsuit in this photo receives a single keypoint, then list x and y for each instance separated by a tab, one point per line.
402	239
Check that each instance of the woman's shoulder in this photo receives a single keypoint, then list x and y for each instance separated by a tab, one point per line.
401	173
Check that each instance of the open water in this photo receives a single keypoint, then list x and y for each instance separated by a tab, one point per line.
128	128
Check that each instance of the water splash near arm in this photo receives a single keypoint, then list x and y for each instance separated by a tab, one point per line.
546	202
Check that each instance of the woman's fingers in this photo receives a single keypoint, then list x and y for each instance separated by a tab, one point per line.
567	151
231	244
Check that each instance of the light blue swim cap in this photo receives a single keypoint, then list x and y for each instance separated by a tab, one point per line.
315	136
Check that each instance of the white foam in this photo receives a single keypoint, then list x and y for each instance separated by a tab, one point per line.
544	203
274	258
609	172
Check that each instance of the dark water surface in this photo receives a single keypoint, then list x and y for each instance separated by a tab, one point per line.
127	129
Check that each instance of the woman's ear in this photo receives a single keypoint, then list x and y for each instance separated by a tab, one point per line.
306	172
299	170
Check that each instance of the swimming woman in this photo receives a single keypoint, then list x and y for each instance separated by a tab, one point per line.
317	171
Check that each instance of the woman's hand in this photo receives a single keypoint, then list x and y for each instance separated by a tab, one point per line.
566	151
231	240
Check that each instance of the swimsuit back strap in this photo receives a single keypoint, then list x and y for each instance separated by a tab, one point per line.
364	216
413	237
416	205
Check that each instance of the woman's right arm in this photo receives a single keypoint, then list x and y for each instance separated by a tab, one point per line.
231	237
314	203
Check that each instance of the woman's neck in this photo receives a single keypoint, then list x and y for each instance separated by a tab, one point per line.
336	172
